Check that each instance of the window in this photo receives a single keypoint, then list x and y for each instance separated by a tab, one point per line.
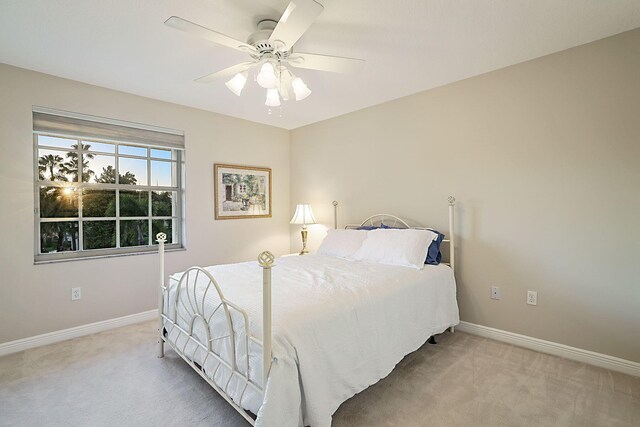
103	193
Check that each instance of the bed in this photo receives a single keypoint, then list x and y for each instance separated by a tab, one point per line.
314	329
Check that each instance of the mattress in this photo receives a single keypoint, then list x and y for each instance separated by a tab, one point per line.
338	326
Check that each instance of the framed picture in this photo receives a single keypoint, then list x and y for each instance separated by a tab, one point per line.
242	192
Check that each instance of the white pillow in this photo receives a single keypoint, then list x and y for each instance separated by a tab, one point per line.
342	243
405	247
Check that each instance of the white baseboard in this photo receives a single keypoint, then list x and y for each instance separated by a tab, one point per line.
568	352
78	331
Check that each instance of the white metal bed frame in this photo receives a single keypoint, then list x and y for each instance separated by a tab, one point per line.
187	310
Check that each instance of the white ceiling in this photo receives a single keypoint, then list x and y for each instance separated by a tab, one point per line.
409	45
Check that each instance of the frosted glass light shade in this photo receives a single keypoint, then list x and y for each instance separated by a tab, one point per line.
285	88
303	215
300	89
267	76
273	99
237	82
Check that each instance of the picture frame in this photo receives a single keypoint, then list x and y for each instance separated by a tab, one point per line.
241	191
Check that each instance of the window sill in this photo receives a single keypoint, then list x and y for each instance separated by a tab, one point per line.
89	257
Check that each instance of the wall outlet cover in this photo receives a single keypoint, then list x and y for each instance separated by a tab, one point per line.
532	298
76	294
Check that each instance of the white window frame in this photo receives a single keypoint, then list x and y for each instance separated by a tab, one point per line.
178	220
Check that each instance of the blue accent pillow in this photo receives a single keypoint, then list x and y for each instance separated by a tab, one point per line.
382	225
434	256
374	227
367	227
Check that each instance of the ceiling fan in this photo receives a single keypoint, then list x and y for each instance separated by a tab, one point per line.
271	50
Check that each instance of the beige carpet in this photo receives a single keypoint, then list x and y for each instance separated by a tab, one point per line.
114	379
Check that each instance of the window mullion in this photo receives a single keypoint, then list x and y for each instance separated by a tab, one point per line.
117	178
80	171
81	222
117	216
80	177
150	210
150	213
179	195
117	164
148	168
60	219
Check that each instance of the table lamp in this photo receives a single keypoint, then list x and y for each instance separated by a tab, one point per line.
303	216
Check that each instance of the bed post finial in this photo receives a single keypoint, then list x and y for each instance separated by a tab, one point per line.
335	214
266	259
452	200
161	238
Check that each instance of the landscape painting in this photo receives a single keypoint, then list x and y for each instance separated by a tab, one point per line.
242	192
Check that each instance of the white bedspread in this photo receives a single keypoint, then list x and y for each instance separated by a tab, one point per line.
338	327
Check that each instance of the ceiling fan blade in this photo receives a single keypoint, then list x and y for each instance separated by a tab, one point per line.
206	33
227	72
295	20
334	64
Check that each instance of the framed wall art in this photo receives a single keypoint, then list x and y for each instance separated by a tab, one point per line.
242	191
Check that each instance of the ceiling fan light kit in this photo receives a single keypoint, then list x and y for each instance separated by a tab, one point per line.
271	51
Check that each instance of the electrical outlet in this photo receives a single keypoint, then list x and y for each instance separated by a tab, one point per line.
76	294
532	298
495	292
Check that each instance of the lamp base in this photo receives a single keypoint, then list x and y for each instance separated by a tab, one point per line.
303	232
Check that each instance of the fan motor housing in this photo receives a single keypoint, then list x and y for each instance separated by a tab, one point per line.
260	38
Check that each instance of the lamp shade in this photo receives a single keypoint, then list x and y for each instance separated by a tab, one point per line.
303	215
300	89
273	99
267	76
236	84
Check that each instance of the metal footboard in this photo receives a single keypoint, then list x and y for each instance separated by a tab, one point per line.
207	330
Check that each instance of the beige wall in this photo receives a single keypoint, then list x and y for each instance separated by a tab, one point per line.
544	159
36	299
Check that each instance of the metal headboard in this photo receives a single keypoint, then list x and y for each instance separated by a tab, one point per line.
378	219
395	222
